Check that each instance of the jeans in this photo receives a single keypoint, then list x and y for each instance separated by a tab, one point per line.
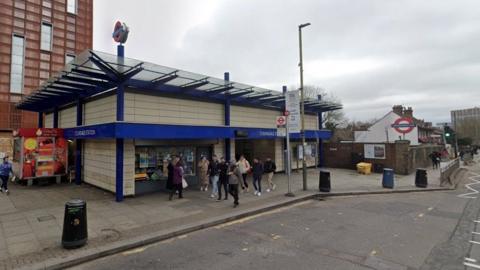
214	184
233	190
223	183
269	180
257	182
4	181
245	183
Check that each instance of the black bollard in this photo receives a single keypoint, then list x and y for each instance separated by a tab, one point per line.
324	181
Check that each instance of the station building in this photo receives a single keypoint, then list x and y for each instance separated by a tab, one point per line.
126	118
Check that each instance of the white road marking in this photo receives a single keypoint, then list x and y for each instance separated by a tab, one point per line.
474	242
476	180
475	232
470	260
476	266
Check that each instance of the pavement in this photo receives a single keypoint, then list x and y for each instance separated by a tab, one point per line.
31	218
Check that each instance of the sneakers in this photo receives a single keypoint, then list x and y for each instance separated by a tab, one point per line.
201	188
268	190
255	193
274	187
259	194
212	196
206	189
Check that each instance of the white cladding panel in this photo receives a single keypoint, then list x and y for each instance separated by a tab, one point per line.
100	161
166	110
49	120
67	117
100	111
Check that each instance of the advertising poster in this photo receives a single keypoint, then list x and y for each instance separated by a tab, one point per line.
43	154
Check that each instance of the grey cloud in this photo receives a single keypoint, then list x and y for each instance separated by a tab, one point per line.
427	50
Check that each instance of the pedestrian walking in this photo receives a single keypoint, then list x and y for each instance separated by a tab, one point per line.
257	171
170	169
214	174
5	171
269	167
234	179
244	168
177	179
203	173
433	156
223	179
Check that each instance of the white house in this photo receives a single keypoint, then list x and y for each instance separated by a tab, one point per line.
382	131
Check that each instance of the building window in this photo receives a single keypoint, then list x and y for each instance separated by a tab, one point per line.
69	58
46	38
17	64
72	6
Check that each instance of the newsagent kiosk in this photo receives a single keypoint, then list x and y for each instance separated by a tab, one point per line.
128	117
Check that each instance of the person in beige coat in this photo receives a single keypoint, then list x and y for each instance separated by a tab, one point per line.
203	173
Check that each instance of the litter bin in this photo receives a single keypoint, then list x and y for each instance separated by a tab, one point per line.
324	181
387	179
75	232
421	179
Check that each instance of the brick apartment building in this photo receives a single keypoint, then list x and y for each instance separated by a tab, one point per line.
37	38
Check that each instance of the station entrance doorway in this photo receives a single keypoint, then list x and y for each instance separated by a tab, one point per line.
261	149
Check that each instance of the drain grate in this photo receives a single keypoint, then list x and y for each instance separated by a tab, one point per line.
45	218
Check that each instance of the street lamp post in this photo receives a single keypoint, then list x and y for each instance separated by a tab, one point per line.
302	106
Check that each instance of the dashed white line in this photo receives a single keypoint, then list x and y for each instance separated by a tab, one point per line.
474	242
470	260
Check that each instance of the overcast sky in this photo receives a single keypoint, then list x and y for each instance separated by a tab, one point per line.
370	54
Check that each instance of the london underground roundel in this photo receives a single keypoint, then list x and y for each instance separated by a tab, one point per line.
120	32
403	125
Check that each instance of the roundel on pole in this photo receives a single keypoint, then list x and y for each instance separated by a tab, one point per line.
403	125
120	32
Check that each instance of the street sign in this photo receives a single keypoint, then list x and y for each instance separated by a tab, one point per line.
403	125
281	132
281	120
292	105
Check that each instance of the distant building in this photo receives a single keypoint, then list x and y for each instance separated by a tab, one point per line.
37	38
387	129
466	123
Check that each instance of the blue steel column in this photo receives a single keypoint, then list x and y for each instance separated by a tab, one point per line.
321	158
55	117
40	120
228	149
119	141
78	145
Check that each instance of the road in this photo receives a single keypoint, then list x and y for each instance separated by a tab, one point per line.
430	230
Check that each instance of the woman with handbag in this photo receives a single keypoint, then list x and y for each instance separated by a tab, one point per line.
177	178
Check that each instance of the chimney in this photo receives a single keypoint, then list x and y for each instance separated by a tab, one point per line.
398	109
408	112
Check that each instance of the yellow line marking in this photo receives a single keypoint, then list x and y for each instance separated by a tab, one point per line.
245	219
134	251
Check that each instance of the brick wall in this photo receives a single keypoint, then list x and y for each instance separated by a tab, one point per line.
400	156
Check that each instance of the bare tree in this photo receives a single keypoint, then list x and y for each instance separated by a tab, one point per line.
332	119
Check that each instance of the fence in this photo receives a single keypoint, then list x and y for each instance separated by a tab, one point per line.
448	170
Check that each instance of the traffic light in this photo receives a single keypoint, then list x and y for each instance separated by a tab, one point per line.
449	134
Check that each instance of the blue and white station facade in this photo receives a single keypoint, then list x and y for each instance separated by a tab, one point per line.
126	118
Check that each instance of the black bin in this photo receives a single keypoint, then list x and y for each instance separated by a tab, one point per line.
324	181
421	179
75	231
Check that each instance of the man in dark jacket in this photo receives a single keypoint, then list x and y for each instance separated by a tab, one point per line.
170	169
214	174
257	170
269	167
223	180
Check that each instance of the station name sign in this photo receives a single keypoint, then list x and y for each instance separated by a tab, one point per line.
85	133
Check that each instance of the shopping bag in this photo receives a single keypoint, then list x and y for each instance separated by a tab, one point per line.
184	183
13	178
